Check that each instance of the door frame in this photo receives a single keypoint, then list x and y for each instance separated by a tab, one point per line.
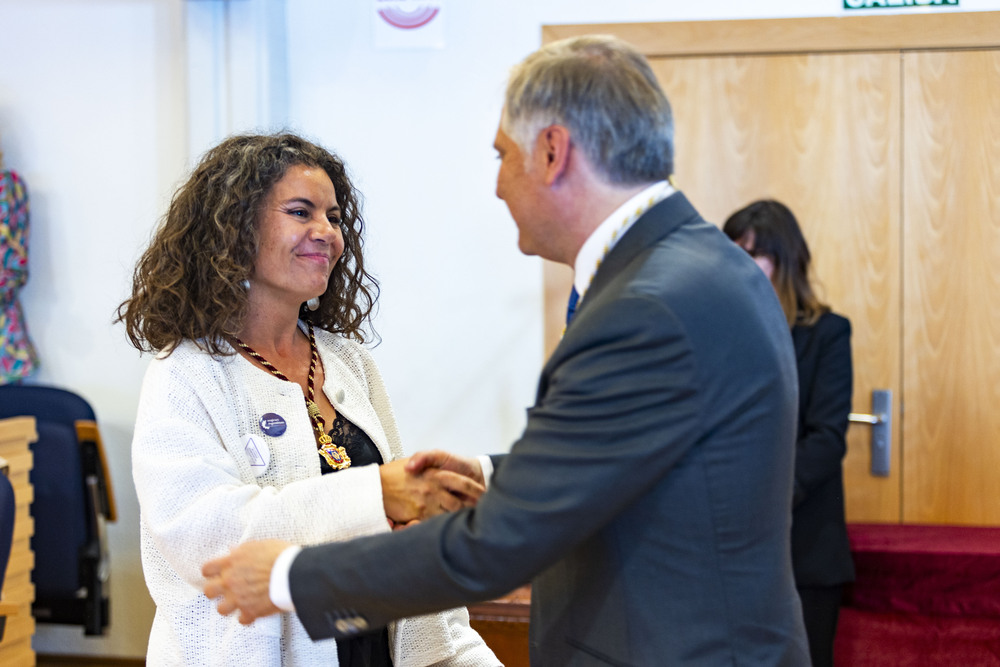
894	32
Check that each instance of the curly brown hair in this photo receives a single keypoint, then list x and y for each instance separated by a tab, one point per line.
189	283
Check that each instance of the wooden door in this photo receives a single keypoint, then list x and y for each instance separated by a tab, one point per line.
883	148
821	134
951	345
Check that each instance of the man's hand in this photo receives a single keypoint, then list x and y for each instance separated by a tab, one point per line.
410	496
243	579
437	458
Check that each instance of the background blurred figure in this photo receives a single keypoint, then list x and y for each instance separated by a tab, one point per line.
262	416
821	555
17	355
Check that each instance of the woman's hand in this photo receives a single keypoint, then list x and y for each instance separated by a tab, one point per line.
425	492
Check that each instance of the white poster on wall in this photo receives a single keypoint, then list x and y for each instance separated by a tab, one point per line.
408	24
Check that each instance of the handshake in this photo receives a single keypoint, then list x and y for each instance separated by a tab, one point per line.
429	483
416	488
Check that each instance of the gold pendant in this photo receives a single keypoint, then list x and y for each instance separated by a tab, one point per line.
336	456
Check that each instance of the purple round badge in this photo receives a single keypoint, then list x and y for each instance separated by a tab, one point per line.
273	424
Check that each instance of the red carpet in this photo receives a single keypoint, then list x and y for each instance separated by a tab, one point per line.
924	595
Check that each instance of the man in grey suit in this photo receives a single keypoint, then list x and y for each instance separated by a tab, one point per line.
648	500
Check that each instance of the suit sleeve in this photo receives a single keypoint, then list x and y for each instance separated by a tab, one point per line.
822	443
619	408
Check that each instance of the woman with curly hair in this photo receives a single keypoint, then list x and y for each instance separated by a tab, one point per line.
821	554
262	416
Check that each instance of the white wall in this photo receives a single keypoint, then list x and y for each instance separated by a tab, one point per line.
102	113
91	105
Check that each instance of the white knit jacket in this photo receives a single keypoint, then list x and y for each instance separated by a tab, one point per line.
199	496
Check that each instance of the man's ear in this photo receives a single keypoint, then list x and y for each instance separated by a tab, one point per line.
554	145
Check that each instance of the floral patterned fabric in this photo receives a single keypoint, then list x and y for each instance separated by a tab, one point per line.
17	355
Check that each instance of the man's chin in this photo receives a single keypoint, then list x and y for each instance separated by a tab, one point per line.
525	247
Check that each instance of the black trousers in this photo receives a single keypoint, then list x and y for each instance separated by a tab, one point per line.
820	610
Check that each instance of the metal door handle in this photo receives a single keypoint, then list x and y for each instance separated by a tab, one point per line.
881	423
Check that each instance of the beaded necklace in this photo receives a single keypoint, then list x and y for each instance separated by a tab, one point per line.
334	454
630	218
655	198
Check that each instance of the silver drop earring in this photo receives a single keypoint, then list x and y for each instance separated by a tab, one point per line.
245	284
313	303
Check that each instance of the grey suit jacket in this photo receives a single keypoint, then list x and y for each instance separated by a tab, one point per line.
648	500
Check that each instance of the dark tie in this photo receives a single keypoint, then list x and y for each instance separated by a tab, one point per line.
574	296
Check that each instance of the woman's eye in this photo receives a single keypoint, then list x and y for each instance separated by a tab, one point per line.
301	213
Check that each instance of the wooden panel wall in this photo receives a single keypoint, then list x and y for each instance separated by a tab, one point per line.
821	134
952	287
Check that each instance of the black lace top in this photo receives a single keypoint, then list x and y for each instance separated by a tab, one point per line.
360	448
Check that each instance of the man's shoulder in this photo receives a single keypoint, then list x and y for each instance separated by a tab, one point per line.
695	259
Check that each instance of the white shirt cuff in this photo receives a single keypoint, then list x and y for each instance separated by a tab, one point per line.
279	589
487	464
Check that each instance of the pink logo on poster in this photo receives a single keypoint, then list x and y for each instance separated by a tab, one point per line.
404	19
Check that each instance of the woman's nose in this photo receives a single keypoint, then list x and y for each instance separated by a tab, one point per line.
324	229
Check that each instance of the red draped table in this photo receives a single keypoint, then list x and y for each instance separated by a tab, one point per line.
924	595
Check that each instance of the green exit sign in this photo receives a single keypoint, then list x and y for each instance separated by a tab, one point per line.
876	4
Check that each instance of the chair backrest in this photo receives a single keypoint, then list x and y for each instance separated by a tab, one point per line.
68	526
44	403
59	509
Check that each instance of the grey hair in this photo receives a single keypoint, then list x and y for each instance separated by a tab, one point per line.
605	93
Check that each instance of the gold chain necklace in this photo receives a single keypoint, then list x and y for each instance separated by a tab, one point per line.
334	454
626	223
654	199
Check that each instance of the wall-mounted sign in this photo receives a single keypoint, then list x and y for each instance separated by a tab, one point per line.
879	4
408	24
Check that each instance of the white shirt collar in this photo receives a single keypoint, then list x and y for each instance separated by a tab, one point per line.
608	233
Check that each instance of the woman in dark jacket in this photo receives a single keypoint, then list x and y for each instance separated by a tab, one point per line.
821	555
